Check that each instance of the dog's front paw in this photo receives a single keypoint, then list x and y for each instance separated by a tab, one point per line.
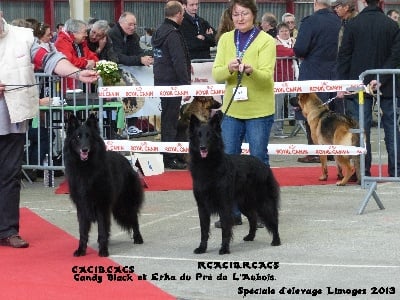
323	178
80	252
249	238
341	183
224	250
103	252
200	250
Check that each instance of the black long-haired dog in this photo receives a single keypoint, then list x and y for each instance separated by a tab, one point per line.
101	183
221	180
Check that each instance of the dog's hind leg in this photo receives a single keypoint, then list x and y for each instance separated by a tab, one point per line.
204	216
84	228
269	215
324	167
271	223
252	217
344	162
137	237
339	172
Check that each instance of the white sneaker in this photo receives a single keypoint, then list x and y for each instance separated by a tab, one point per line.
133	130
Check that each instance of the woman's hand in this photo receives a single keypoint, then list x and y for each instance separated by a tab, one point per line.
237	66
87	76
233	65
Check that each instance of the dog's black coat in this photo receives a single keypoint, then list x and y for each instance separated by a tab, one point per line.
101	183
220	180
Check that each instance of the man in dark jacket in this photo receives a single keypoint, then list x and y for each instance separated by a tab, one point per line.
126	42
370	41
317	45
198	33
171	67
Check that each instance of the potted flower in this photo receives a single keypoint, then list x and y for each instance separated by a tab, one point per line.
109	72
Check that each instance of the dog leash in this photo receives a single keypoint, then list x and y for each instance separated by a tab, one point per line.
368	90
240	76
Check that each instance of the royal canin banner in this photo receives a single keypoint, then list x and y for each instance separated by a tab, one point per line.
273	149
310	86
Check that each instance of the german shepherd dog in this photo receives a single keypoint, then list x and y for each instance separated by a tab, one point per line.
202	107
221	180
101	183
330	128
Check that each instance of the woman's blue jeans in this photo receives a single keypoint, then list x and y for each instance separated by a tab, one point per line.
253	131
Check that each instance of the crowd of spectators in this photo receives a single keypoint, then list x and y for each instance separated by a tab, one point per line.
314	55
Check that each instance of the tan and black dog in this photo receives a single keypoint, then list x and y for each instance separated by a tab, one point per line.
201	107
330	128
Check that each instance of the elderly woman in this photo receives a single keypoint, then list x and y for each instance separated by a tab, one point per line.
71	41
246	54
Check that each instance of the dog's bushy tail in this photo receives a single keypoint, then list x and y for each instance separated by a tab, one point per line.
129	202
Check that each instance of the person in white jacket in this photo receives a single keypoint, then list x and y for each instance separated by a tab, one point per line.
19	103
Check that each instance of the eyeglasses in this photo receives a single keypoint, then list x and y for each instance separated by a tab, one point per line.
290	22
241	14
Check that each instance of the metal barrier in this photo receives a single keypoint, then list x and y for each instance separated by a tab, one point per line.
46	132
286	69
370	182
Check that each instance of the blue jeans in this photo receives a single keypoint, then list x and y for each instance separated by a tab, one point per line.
255	131
388	113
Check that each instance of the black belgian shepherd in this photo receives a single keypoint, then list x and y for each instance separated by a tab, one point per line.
220	180
101	182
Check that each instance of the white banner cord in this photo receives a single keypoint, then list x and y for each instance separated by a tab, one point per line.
273	149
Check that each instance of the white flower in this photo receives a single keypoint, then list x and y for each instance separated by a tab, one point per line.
109	72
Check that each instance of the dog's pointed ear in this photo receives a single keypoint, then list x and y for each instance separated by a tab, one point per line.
92	122
194	122
215	104
73	124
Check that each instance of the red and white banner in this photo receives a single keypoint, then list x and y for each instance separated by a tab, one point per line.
310	86
273	149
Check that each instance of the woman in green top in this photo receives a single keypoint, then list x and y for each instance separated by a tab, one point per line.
247	53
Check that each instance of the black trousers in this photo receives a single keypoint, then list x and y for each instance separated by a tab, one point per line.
11	154
170	107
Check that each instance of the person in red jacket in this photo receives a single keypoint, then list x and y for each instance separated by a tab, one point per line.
286	69
71	41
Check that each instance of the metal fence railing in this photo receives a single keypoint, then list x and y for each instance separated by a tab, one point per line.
388	119
47	131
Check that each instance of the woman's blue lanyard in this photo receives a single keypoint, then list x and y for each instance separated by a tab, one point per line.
239	54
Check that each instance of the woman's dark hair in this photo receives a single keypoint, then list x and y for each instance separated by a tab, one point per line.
250	4
40	30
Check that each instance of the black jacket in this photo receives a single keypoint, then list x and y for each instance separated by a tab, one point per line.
316	44
371	40
171	56
129	52
198	49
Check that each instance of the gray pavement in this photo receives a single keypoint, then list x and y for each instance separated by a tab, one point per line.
327	248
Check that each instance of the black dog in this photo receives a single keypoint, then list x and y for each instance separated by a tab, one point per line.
220	180
101	182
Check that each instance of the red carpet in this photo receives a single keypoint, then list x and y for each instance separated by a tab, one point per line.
44	270
291	176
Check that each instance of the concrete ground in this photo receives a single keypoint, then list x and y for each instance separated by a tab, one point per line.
327	251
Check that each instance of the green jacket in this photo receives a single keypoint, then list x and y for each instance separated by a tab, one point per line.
261	55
